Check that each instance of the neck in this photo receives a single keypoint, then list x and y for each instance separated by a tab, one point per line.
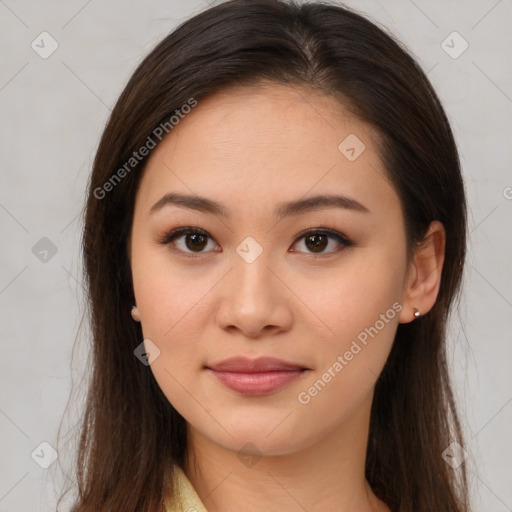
329	474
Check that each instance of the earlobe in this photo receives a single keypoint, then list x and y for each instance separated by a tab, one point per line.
425	272
135	314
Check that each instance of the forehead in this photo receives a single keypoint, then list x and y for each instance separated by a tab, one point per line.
267	143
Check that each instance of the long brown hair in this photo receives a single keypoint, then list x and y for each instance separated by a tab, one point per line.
130	432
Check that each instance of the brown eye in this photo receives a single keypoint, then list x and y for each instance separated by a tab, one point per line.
188	240
195	242
317	241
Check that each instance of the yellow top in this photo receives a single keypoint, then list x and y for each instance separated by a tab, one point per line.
187	498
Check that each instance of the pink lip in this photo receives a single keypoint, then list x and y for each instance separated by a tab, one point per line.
256	376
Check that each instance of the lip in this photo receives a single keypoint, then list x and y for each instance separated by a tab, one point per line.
261	364
256	377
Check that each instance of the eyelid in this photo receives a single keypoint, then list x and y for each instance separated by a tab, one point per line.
333	233
341	238
169	236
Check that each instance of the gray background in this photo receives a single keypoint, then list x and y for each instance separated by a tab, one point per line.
53	111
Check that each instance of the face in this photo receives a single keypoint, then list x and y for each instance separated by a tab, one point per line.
317	285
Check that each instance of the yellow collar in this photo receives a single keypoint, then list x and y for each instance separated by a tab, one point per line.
187	498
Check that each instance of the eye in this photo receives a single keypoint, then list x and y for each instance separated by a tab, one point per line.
317	240
194	240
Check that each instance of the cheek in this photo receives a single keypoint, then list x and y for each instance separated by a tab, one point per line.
356	295
170	298
350	363
361	309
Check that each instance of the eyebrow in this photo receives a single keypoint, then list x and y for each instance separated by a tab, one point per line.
286	209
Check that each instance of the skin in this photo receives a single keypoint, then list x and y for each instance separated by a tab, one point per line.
251	148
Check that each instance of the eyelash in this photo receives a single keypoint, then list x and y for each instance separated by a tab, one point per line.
172	235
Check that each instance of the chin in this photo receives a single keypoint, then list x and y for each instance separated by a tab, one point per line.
258	444
259	437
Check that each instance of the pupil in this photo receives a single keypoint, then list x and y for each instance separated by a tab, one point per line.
317	246
195	237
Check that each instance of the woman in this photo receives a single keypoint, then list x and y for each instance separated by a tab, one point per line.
274	238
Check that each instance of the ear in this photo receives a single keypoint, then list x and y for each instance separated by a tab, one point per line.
135	313
424	274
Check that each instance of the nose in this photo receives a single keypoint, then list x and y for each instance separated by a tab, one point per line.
253	300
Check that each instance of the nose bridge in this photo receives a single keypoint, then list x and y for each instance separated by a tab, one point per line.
252	274
251	300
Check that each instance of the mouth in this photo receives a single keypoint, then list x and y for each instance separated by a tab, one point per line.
256	377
